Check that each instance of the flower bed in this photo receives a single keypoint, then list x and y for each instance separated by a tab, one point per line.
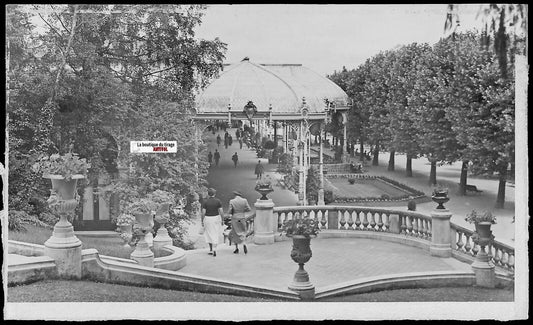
412	193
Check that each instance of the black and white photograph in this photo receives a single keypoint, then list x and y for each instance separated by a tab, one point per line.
250	162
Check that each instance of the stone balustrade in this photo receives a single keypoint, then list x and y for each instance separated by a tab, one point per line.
408	223
361	218
500	254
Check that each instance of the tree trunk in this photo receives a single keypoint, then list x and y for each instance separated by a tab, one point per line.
361	151
409	166
463	181
433	173
375	160
500	200
391	160
342	145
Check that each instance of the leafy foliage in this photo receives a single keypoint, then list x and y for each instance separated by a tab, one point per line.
300	226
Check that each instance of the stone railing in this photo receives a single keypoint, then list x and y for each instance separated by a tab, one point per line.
361	218
410	224
500	254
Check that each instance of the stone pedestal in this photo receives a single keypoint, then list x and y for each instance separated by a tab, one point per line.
440	233
321	197
161	238
264	222
63	246
149	237
302	285
484	270
142	253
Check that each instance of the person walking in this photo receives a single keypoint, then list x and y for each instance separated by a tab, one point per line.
217	157
235	159
219	140
212	220
226	141
259	169
240	143
210	158
230	140
238	206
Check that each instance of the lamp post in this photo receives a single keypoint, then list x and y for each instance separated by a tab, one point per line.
321	161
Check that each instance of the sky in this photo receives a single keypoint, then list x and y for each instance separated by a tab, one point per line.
325	38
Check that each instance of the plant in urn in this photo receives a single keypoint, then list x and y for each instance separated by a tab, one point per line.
142	210
301	230
483	266
264	186
125	226
440	196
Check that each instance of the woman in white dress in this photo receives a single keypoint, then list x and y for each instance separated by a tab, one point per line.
212	220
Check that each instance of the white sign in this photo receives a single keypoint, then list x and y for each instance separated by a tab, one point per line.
153	146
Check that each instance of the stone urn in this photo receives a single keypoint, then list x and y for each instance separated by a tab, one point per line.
126	233
264	190
142	253
484	233
301	254
63	245
440	198
162	237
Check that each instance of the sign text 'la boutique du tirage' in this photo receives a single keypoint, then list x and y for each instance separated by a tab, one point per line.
153	146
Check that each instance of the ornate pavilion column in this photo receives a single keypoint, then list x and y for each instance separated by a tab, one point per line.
321	169
345	156
301	179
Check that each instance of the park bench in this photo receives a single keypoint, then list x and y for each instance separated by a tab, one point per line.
472	189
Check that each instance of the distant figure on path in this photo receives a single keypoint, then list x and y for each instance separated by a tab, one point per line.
240	143
235	159
239	227
259	169
217	157
219	140
212	220
230	140
209	158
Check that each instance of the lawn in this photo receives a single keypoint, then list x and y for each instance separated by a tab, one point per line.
364	188
86	291
110	246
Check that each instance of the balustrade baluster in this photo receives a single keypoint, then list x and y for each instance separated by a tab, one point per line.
460	243
342	220
505	259
387	222
403	225
279	218
350	220
380	222
497	256
415	226
468	247
365	220
323	220
510	263
409	225
475	249
423	228
429	229
357	221
372	221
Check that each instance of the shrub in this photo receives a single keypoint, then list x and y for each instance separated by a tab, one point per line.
269	144
385	196
351	180
411	205
329	197
17	220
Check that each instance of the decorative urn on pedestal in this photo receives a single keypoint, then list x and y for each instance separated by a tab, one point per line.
264	186
440	196
483	266
142	210
301	230
63	246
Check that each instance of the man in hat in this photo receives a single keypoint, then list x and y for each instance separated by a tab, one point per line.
238	206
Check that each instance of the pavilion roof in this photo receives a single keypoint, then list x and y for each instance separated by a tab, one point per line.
282	86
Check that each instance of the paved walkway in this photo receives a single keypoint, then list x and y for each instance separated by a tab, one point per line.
334	260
